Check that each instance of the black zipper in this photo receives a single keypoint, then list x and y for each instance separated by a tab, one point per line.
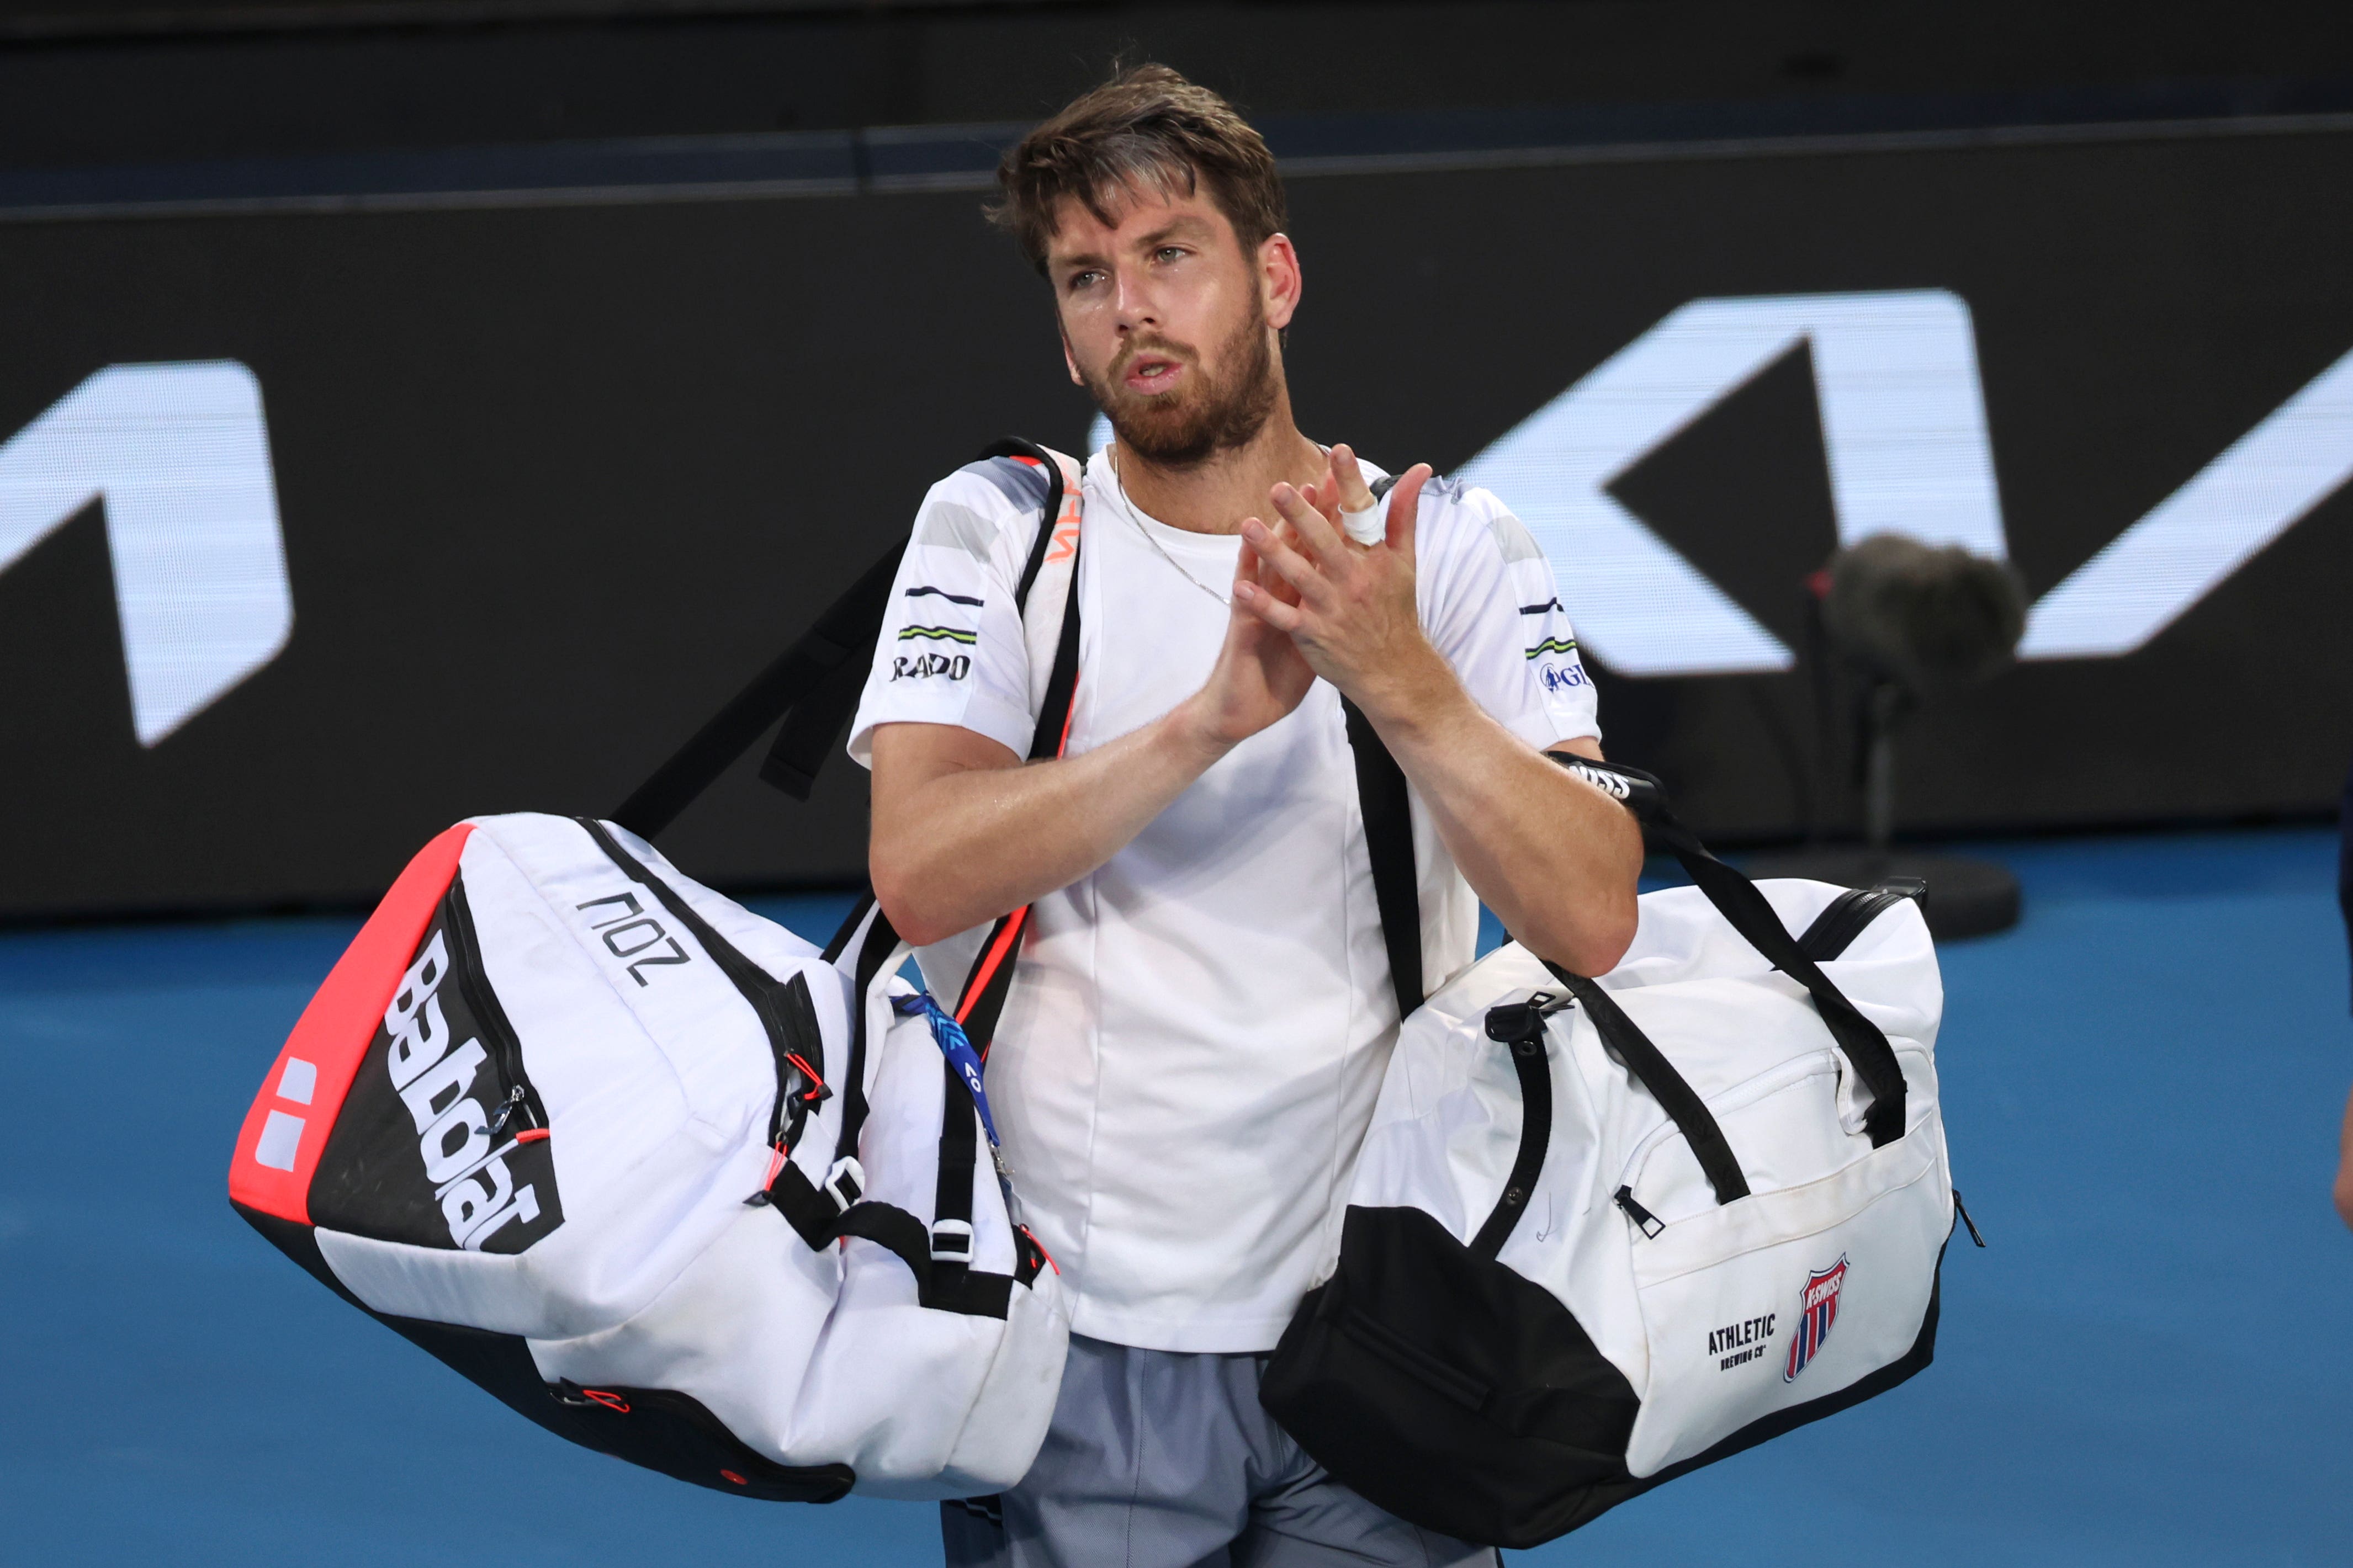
1646	1222
490	1019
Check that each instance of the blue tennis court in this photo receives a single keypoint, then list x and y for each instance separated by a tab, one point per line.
2148	1366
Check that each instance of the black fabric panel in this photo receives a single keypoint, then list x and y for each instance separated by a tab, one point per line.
660	1429
1447	1389
1675	1097
371	1179
1389	839
1466	1399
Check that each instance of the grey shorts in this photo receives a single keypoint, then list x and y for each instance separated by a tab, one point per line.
1157	1459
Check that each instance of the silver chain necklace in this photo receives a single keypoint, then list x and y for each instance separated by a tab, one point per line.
1159	549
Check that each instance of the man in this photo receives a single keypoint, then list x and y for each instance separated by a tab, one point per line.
1198	1026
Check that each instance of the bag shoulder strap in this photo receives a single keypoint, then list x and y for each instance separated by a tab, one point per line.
1387	809
1048	596
813	685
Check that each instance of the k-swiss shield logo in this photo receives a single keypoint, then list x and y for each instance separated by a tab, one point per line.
1818	1309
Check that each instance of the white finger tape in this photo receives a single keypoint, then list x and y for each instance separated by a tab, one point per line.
1366	527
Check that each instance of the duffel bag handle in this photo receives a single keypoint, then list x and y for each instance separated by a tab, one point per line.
1735	898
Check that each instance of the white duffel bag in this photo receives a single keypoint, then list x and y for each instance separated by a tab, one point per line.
1604	1232
599	1137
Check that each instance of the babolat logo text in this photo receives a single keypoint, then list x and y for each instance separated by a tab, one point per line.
1608	783
923	666
1736	1344
441	1142
473	1184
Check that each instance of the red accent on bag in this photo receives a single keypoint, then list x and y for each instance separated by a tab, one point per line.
332	1038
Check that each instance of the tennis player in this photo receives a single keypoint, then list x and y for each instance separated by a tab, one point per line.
1196	1034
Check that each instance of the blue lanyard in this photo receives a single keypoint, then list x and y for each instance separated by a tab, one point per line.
950	1037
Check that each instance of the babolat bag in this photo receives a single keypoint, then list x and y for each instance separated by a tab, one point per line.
659	1174
1603	1232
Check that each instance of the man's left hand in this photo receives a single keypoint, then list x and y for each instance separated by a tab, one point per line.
1355	619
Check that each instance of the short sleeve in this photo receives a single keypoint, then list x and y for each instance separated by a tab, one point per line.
1491	605
951	650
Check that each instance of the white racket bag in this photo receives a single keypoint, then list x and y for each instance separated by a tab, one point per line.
660	1174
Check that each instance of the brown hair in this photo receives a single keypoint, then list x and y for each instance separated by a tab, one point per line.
1145	128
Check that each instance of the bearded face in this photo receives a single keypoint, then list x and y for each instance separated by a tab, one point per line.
1218	403
1168	321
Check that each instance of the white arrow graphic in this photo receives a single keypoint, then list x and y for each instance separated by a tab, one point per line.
2261	487
1904	427
179	455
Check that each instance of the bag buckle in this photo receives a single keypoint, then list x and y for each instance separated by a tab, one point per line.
846	1182
951	1241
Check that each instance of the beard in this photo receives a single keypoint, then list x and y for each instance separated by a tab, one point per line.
1187	427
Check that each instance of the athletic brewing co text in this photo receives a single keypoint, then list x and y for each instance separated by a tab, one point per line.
1741	1342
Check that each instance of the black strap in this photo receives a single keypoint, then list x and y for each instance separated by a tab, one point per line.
981	1002
1389	840
841	641
1675	1097
1387	811
812	686
1014	447
991	981
1521	1027
874	950
1735	898
959	1149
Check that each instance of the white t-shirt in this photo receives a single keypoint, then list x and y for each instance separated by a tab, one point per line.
1197	1029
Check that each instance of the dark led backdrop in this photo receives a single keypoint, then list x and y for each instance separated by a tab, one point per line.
552	481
